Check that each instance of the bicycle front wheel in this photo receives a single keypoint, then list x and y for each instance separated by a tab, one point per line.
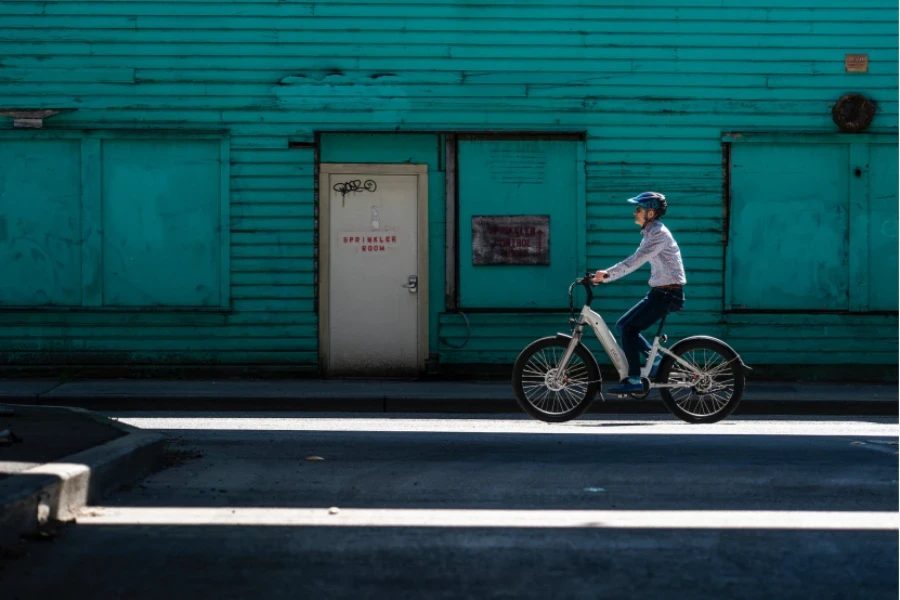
714	386
548	393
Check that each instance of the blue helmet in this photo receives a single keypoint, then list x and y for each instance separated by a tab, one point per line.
650	200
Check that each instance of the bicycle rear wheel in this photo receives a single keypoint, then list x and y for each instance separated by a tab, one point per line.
543	393
714	391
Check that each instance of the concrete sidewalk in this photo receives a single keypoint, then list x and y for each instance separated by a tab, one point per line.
55	460
411	396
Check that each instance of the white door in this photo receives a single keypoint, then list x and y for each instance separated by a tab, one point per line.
374	284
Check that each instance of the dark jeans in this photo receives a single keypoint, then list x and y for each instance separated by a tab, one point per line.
657	304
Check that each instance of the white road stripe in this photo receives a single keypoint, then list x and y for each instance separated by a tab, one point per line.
454	424
602	519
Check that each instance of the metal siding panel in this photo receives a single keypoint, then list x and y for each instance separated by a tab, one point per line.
580	167
223	231
519	178
161	218
437	253
40	223
380	148
450	225
858	227
882	227
789	227
91	223
652	113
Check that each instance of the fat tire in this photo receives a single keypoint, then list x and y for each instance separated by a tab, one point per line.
593	375
737	371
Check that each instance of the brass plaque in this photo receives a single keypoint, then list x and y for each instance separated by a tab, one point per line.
511	240
856	63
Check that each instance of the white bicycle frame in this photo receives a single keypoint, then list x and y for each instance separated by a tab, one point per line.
616	354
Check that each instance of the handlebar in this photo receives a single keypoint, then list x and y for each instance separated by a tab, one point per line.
588	282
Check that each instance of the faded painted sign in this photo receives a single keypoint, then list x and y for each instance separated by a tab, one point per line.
368	242
511	240
856	63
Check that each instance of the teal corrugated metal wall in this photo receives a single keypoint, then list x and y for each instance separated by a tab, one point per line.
653	85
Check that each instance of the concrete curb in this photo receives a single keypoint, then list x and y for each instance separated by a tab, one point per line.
381	403
204	402
413	396
655	406
58	490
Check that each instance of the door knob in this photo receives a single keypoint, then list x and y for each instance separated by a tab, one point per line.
413	285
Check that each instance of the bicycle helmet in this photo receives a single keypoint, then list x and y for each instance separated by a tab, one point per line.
651	200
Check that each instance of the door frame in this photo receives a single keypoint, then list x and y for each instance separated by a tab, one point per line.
324	245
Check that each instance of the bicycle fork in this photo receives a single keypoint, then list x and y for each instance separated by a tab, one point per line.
570	349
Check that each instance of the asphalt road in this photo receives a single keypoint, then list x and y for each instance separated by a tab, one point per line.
456	507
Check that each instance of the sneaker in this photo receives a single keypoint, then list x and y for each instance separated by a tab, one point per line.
632	385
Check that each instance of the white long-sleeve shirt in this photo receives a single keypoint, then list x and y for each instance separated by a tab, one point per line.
661	249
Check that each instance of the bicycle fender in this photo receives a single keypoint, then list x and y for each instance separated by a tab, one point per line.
565	337
712	339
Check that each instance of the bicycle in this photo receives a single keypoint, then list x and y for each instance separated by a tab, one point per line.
700	378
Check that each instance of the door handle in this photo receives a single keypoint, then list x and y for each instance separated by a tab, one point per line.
413	285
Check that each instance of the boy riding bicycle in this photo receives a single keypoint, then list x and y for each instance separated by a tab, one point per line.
667	281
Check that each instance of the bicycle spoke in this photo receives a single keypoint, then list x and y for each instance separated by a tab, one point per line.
542	361
551	389
721	367
557	403
720	399
539	399
717	378
531	372
570	396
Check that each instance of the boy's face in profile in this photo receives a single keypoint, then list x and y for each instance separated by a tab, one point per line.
642	215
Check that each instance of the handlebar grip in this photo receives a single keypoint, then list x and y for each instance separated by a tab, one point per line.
589	278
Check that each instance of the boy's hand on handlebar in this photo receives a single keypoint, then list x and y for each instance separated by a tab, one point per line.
600	277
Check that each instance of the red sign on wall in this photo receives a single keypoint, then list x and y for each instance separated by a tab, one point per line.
511	240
